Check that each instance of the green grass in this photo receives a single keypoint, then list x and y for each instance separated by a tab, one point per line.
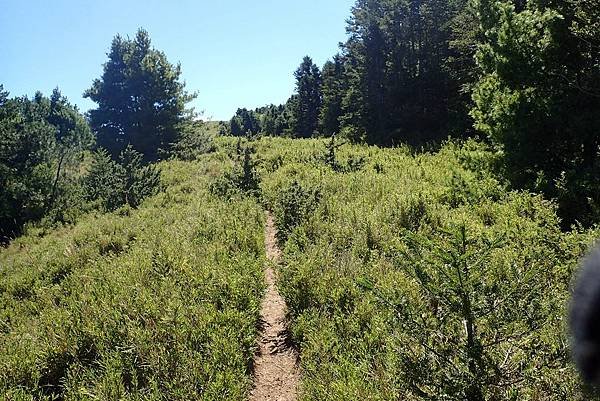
390	259
381	264
156	303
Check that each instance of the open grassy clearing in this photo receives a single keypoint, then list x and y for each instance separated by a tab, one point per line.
407	276
156	303
420	276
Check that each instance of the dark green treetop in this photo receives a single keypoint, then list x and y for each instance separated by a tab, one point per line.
141	98
308	106
334	85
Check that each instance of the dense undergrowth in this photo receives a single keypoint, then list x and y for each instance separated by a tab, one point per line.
420	276
161	302
417	276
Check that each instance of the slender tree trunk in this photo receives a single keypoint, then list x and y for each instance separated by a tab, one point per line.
56	179
474	392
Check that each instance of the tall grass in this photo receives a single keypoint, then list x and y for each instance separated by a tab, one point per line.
156	303
417	276
421	276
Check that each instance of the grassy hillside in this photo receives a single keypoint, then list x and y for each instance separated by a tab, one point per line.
156	303
408	276
420	276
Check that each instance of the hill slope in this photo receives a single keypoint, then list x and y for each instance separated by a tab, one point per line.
420	276
408	276
156	303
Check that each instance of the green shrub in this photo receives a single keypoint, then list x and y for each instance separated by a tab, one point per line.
139	179
103	183
194	141
110	184
242	179
158	302
41	143
293	207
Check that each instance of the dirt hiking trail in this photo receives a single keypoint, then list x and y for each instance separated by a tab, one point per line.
276	364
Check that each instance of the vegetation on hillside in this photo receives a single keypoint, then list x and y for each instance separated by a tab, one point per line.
57	164
521	74
415	266
421	276
156	303
417	276
42	142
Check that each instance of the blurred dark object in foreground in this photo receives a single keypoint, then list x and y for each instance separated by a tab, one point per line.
585	318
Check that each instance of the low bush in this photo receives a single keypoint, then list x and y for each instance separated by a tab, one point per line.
243	178
422	277
159	302
194	140
110	184
294	205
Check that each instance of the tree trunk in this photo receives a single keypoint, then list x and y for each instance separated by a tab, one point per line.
56	179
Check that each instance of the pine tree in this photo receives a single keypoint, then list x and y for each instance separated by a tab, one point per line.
234	127
141	99
245	123
538	99
333	92
268	121
399	88
308	105
72	135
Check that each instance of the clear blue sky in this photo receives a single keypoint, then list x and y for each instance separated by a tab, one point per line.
235	53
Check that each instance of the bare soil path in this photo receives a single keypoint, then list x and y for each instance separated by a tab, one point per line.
276	364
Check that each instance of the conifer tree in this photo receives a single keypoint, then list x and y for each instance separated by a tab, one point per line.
141	98
333	92
399	88
244	123
308	105
538	98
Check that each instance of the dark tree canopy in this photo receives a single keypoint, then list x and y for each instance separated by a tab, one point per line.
332	92
398	87
245	123
141	98
395	79
270	120
539	95
308	104
39	138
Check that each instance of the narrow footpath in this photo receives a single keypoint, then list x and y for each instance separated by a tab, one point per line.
276	364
